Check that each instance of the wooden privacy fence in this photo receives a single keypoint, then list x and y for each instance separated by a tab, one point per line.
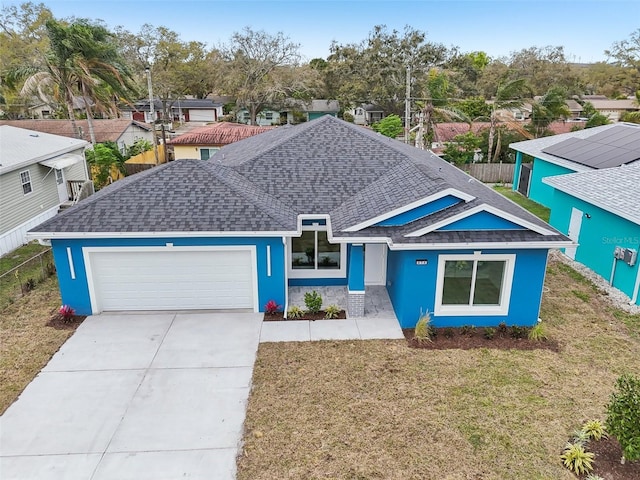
491	172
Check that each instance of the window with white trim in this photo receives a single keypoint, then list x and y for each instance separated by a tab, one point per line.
207	153
312	256
25	179
474	284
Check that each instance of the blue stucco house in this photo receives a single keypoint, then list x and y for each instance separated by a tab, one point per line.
581	151
600	209
322	203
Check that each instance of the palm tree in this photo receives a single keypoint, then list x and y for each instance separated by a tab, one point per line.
550	107
435	106
508	96
82	62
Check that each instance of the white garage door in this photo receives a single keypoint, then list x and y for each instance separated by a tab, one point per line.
202	116
172	280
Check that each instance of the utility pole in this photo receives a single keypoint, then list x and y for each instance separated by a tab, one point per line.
152	113
407	106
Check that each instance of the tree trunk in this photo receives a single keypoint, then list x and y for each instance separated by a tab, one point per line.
87	109
254	114
492	132
72	118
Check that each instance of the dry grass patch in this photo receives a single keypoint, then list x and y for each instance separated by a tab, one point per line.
380	410
26	343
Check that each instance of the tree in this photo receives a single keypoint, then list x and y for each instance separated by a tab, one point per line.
509	95
389	126
596	120
22	37
375	69
474	107
177	68
104	157
623	416
549	108
81	61
462	149
627	52
255	60
436	105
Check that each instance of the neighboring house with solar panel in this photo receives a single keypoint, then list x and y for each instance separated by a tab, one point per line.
600	210
582	151
590	180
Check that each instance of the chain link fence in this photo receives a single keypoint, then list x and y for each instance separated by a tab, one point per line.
23	278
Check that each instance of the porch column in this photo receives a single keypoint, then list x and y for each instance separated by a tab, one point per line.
355	277
516	172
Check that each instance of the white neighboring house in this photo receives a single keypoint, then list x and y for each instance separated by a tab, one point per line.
38	173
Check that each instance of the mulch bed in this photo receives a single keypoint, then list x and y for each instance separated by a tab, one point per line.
607	461
59	323
450	338
277	316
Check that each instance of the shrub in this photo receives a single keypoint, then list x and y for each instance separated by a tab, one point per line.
448	332
66	312
272	307
29	285
519	332
576	459
623	416
294	312
422	332
468	330
489	333
594	430
502	329
331	311
313	301
537	333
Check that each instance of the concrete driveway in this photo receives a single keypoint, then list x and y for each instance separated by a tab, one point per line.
150	396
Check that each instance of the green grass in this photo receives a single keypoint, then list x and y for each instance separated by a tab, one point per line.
12	286
631	320
20	255
538	210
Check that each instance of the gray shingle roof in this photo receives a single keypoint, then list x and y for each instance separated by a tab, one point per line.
261	184
616	190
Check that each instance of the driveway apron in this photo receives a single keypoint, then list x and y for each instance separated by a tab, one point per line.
141	396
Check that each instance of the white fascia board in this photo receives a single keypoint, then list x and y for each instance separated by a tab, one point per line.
410	206
481	208
482	246
75	235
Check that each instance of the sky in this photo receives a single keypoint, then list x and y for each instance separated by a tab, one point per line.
585	28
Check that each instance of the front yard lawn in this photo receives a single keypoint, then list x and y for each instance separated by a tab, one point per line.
380	410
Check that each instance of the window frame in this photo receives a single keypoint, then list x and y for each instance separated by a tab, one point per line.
502	309
29	182
316	272
211	151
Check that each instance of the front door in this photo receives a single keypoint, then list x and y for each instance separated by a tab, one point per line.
63	194
574	231
375	264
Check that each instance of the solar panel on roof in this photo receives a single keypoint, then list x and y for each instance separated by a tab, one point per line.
613	147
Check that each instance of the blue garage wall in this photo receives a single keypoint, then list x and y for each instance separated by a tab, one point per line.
412	288
541	192
599	235
76	292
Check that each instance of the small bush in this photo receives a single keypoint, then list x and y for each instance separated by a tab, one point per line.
422	332
537	333
576	459
272	307
623	416
331	311
66	312
29	285
467	330
313	301
448	332
294	312
594	430
489	333
502	329
519	332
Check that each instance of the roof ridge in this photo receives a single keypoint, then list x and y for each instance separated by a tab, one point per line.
248	190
